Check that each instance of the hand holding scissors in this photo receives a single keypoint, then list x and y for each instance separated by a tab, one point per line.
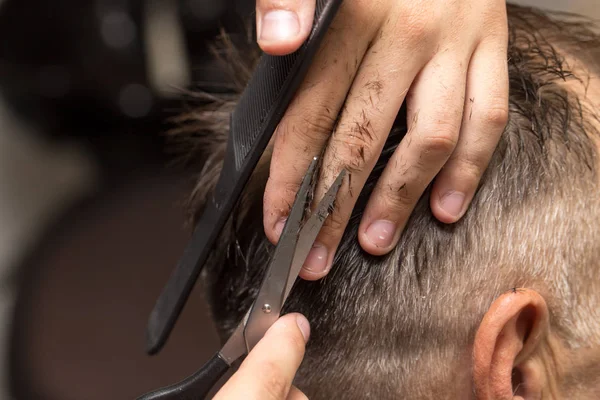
269	369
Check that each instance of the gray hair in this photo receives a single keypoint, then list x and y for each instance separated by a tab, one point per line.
402	325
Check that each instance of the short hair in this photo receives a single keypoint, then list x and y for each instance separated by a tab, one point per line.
403	324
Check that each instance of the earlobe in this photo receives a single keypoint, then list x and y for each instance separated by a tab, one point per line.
511	333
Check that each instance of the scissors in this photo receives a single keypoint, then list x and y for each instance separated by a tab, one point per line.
296	241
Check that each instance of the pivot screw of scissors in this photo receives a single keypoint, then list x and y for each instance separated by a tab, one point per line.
266	308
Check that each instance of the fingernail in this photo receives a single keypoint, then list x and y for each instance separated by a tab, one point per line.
279	226
452	203
279	25
381	233
304	326
317	259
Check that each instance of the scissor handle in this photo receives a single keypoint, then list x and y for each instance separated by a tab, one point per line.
194	387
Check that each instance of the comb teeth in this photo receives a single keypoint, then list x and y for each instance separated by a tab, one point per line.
252	110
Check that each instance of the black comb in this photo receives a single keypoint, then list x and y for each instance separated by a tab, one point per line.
253	122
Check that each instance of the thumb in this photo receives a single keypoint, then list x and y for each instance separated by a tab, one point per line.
283	25
268	371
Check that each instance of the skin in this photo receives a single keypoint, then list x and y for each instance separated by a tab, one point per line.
447	59
513	335
268	371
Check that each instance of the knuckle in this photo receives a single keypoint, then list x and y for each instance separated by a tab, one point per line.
335	223
279	194
314	129
495	117
442	142
350	156
471	167
320	124
353	147
368	14
495	18
419	27
393	203
397	200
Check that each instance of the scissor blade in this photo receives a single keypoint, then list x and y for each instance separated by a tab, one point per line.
310	230
268	303
235	347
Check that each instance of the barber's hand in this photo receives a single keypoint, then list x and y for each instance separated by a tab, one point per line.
448	58
268	371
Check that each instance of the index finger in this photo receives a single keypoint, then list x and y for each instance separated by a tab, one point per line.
268	371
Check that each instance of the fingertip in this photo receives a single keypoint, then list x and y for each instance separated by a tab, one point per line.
290	320
448	205
273	221
280	48
281	29
274	233
291	330
378	237
309	275
371	248
304	326
270	229
317	263
276	356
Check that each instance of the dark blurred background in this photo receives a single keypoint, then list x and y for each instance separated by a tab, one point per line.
91	222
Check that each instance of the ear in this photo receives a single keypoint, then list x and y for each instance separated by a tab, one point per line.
512	332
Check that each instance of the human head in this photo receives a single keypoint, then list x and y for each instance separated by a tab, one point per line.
504	302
